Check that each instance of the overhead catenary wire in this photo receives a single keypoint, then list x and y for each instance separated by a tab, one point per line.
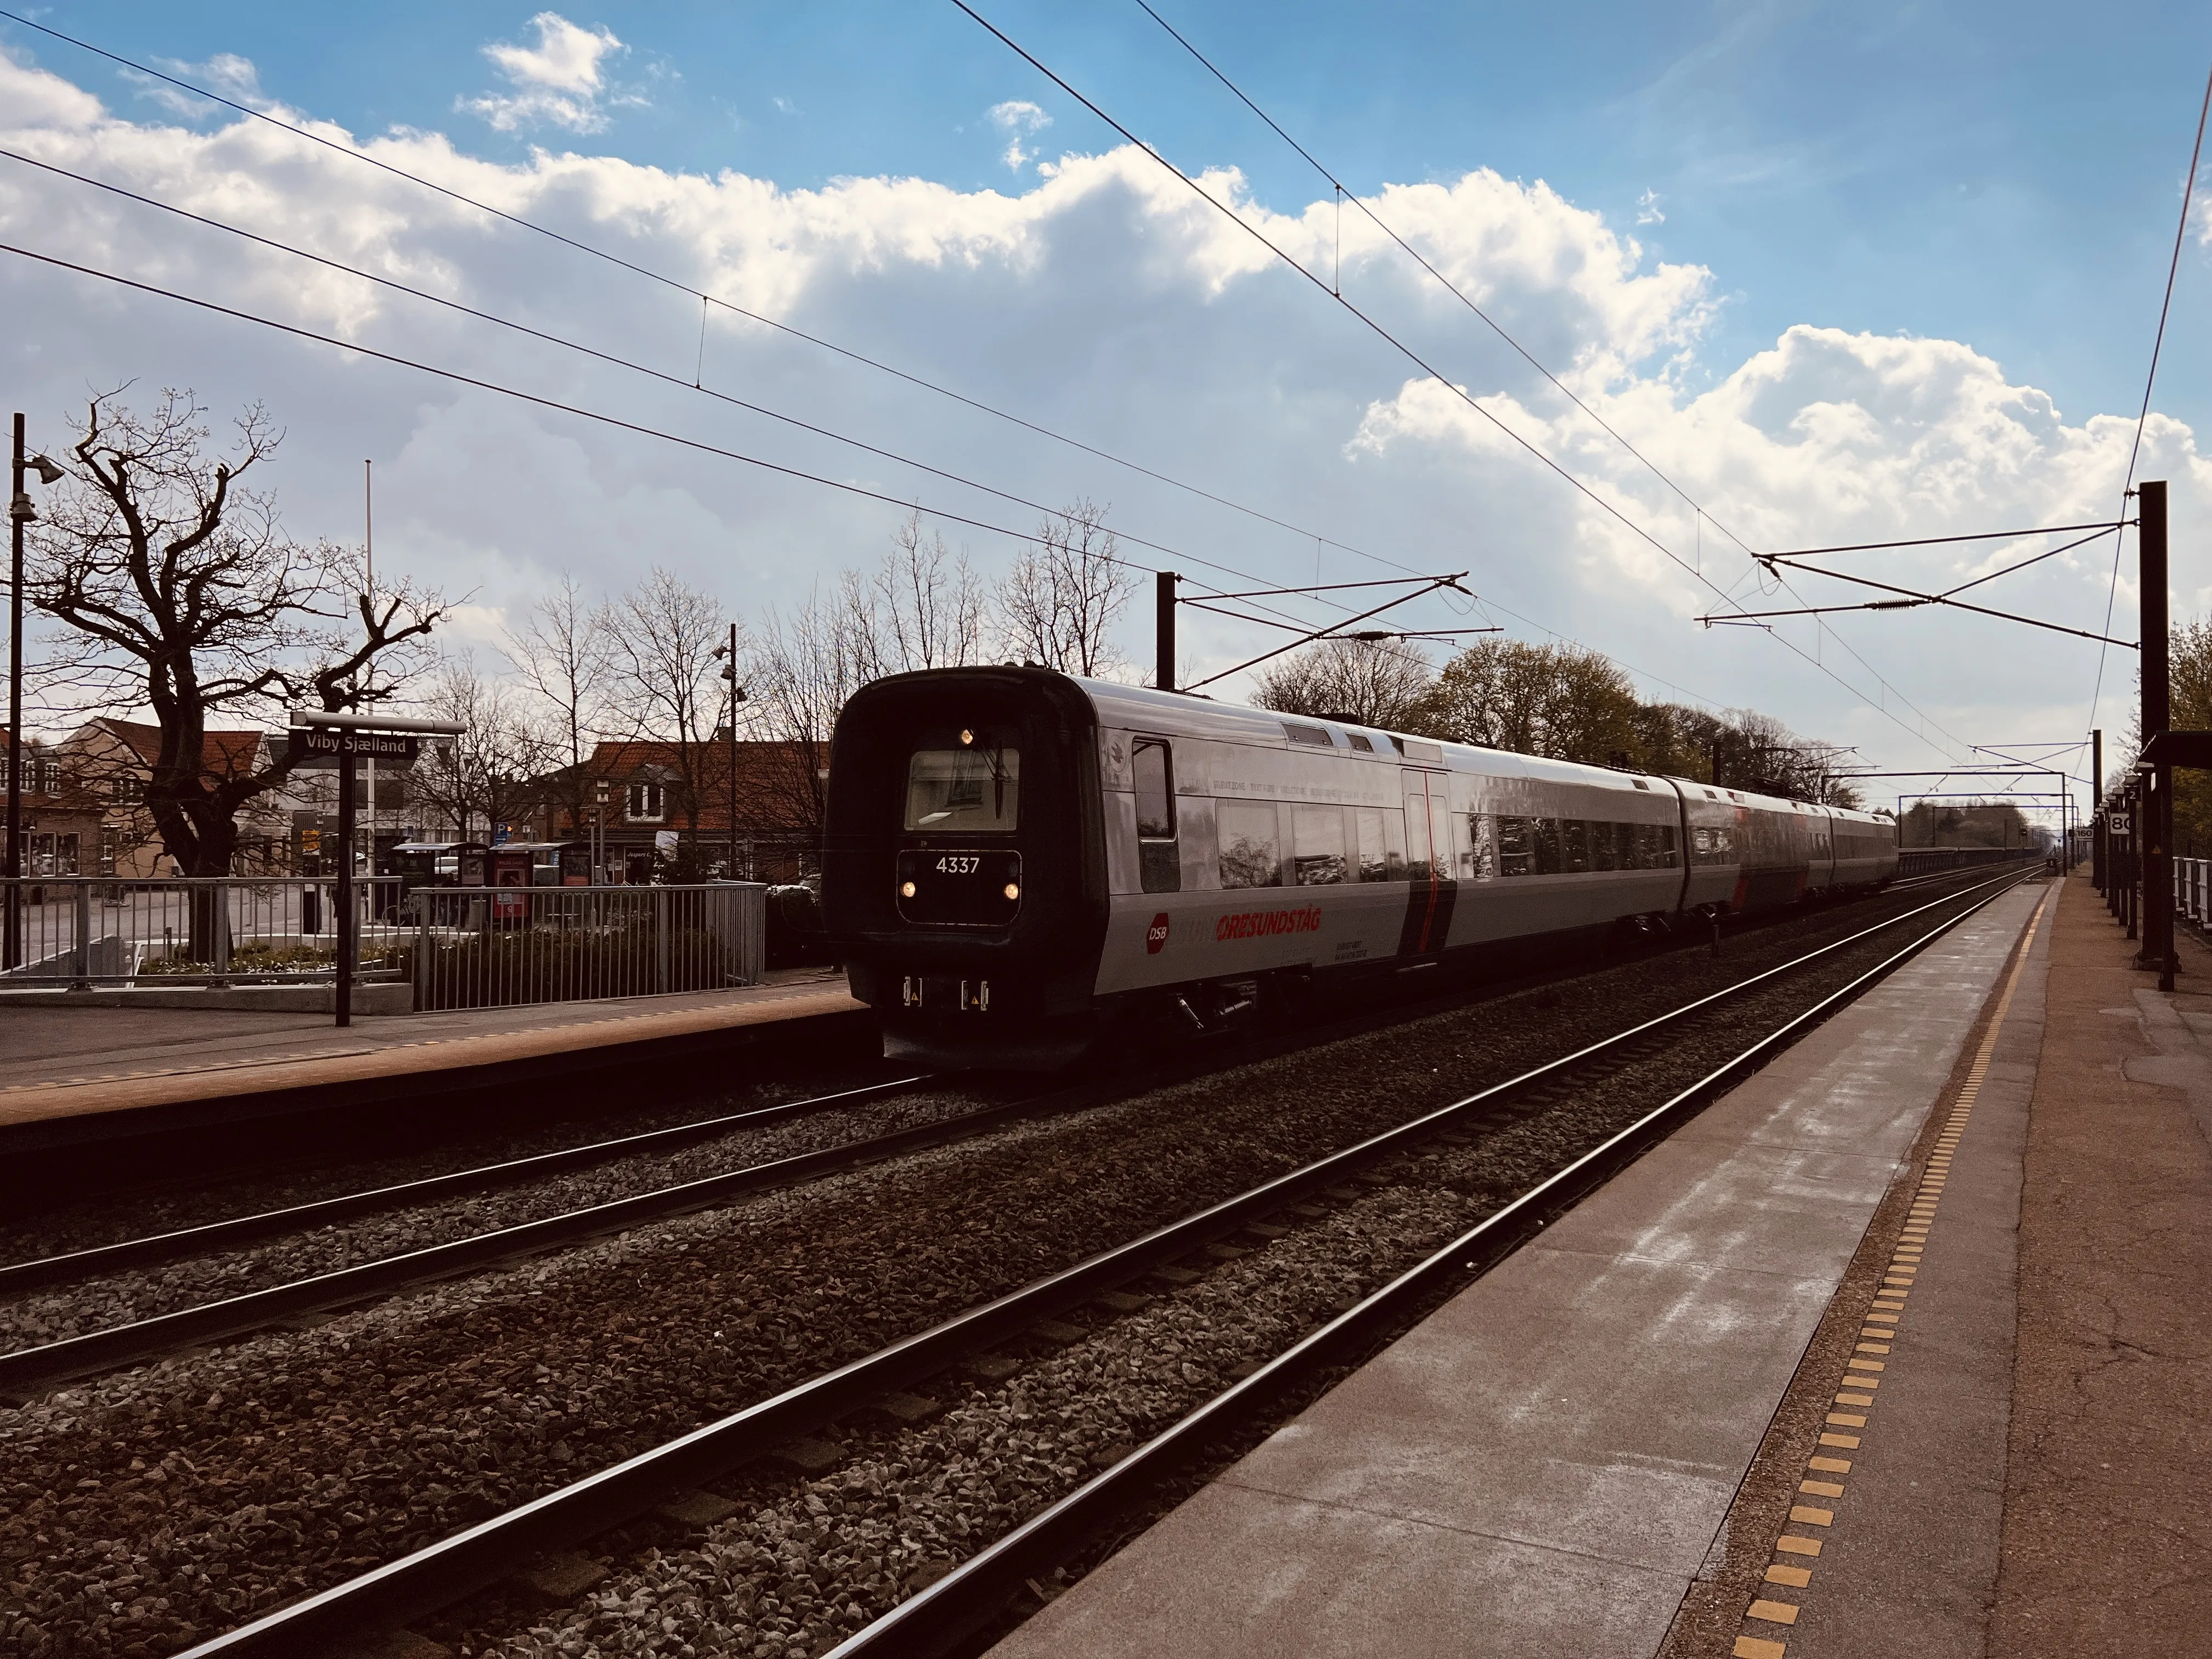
358	154
1420	362
1696	568
2150	379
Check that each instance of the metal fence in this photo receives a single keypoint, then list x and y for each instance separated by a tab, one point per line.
2192	891
85	931
485	947
495	947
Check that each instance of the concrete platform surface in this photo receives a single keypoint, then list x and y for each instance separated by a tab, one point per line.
69	1061
1544	1465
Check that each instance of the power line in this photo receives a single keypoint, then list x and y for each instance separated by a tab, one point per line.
1496	327
1418	361
608	357
679	286
2150	379
661	278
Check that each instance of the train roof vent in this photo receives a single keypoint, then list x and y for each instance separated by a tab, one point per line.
1639	783
1414	748
1733	795
1313	737
1711	796
1359	742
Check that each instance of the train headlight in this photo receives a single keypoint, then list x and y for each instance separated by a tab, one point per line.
1013	890
906	890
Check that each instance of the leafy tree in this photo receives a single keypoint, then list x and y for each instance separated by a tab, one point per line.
1565	701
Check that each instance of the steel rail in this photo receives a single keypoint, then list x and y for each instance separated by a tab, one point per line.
441	1573
237	1230
956	1605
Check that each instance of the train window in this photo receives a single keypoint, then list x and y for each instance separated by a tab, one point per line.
1251	845
1624	848
1471	831
1574	846
1604	853
1550	859
1159	861
1381	848
1359	742
1318	846
963	790
1517	846
1156	819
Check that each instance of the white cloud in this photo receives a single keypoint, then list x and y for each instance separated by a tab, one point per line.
1647	209
1019	118
560	82
1106	300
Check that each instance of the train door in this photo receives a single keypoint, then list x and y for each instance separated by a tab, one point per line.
1430	888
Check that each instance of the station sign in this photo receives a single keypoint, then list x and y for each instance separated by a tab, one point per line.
324	746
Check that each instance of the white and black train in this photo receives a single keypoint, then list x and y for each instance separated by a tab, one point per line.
1016	858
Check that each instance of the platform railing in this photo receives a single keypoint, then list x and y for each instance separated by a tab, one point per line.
2192	891
502	947
86	931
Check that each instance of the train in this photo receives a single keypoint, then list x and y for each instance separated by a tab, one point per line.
1021	867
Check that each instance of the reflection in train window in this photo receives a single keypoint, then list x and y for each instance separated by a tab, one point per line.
1574	845
1382	844
1318	846
1550	857
1251	845
1517	846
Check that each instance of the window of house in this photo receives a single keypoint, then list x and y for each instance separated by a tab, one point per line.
645	803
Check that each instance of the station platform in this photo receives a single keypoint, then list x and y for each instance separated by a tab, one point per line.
78	1072
1903	1346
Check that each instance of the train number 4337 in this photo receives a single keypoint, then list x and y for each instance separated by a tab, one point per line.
956	863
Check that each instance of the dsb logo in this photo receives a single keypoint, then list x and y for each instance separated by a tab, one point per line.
1156	935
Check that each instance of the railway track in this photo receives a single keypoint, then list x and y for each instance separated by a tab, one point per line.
26	1373
404	1590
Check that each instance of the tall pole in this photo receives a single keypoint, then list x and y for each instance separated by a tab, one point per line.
2157	718
732	671
1164	640
349	924
2097	808
19	513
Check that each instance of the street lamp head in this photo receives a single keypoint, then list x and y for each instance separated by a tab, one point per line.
21	509
48	472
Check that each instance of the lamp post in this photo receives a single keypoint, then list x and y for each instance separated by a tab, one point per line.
19	512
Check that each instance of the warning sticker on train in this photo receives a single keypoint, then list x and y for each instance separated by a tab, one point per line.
1156	936
1260	924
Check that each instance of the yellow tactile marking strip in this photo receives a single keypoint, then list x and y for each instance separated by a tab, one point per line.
1858	1388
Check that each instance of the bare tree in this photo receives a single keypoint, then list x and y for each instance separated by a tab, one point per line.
664	683
926	609
805	665
564	659
1367	682
491	771
1059	604
180	590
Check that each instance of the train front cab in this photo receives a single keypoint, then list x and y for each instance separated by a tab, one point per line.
964	866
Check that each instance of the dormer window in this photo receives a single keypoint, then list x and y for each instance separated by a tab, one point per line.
646	804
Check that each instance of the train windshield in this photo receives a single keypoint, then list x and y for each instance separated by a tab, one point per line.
960	791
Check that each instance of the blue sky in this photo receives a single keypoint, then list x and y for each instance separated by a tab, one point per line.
2004	175
1849	273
